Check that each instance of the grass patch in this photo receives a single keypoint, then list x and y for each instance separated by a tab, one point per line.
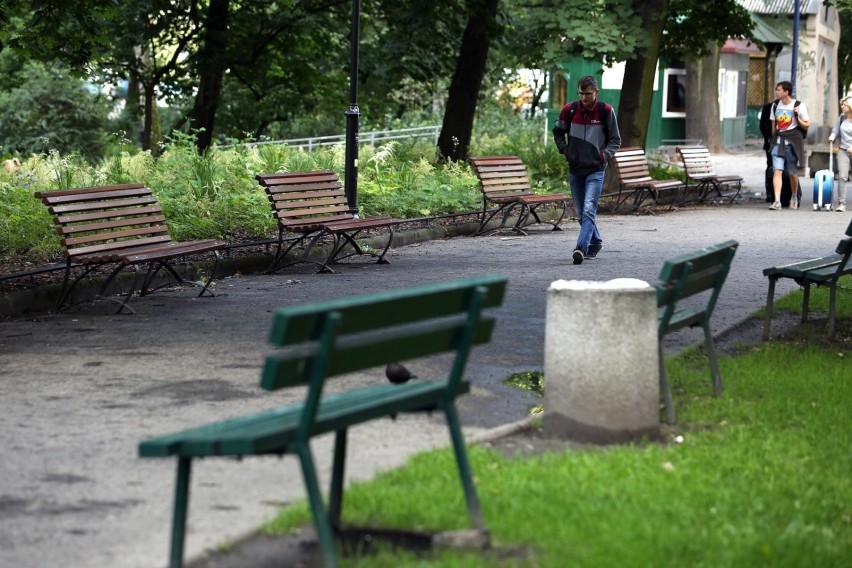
761	479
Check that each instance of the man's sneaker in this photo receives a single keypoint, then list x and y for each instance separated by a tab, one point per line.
578	256
794	204
775	206
593	252
841	208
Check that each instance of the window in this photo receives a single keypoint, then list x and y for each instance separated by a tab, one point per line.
674	93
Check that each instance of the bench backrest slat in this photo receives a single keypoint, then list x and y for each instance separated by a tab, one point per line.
501	176
696	160
631	165
297	197
378	328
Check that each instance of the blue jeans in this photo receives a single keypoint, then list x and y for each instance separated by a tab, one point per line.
787	161
586	191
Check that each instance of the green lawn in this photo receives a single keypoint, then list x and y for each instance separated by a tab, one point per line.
763	476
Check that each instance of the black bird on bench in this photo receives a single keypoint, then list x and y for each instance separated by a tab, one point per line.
398	374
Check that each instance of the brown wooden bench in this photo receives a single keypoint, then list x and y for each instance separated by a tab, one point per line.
313	205
504	182
699	170
634	179
122	225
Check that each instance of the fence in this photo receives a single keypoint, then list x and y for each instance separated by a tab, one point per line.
372	138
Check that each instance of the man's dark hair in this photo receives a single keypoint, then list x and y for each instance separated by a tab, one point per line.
787	86
586	82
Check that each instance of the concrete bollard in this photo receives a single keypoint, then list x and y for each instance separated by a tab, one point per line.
601	361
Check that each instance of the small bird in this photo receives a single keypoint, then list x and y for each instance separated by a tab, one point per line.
398	374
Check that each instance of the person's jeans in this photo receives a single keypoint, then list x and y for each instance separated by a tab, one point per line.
586	191
842	175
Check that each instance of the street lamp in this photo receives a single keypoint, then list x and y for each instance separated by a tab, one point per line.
352	113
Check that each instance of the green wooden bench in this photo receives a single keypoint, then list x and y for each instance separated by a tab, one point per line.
702	272
824	271
328	339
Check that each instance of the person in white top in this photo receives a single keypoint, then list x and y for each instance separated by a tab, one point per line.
788	117
841	138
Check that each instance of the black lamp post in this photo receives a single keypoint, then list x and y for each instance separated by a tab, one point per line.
795	61
352	114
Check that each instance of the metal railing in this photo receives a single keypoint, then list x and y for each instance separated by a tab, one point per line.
373	138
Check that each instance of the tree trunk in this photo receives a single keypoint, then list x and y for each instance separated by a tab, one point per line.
634	106
702	100
457	127
150	102
211	68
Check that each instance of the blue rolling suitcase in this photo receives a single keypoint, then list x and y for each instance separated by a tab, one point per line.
824	185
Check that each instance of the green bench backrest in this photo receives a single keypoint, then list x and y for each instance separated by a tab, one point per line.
327	339
691	274
844	248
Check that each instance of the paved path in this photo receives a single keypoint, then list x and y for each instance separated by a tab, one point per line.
79	390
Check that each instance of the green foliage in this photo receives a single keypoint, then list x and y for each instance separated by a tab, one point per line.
52	109
691	25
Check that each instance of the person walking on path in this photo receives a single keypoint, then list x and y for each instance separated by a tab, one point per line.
788	117
587	135
841	136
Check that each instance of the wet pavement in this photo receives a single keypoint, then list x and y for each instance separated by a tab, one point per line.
79	390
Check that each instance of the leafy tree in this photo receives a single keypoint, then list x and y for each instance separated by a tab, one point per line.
52	109
694	33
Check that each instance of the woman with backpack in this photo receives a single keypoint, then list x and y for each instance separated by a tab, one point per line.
841	136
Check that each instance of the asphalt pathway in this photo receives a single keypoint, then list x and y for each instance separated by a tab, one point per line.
79	390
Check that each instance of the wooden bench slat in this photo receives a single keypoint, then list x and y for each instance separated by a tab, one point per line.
71	221
118	236
102	206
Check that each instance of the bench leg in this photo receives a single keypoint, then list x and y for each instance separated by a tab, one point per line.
664	386
832	298
180	510
335	505
806	301
323	527
710	347
465	472
770	299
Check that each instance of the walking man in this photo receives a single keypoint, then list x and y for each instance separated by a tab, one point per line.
587	135
788	117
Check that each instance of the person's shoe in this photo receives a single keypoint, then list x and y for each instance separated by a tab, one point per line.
841	208
794	204
578	256
775	206
593	251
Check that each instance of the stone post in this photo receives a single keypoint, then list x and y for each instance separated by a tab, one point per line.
601	361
